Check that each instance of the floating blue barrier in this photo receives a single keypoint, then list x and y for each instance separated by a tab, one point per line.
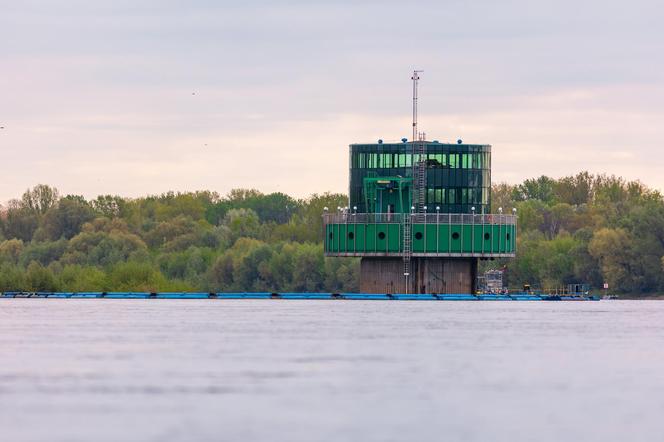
181	295
56	295
260	295
414	297
456	297
518	297
230	295
291	295
366	296
319	296
245	295
87	295
493	297
126	295
304	295
322	296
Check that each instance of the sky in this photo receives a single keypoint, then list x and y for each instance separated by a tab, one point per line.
141	97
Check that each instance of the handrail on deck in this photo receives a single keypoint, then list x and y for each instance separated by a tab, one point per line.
424	218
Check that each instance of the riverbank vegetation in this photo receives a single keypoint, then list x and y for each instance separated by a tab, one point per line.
581	228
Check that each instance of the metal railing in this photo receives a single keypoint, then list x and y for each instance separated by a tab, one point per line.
419	218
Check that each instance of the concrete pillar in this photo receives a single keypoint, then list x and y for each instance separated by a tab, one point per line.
428	275
382	275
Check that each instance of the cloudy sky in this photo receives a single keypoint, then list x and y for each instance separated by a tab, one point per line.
133	97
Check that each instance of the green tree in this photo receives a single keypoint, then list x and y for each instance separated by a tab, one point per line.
40	198
141	276
309	270
541	189
43	252
19	222
108	206
502	195
574	190
103	249
77	278
234	266
182	229
612	248
240	223
39	279
66	218
11	250
309	217
12	278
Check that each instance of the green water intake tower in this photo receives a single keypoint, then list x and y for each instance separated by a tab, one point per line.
419	215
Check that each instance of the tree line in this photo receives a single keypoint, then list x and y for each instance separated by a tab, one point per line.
198	241
581	228
586	228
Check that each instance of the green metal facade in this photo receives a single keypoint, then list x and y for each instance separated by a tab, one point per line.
458	176
463	238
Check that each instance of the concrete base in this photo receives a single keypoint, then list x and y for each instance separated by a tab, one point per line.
428	275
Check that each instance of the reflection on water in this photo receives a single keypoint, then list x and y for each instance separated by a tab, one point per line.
150	370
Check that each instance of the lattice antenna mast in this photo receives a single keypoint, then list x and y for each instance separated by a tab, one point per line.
416	79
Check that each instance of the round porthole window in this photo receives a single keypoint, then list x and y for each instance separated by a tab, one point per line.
455	235
351	235
508	236
487	236
418	235
381	235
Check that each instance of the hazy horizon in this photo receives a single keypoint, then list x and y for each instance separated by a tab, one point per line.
135	99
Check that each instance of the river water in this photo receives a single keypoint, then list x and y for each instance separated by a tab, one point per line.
213	370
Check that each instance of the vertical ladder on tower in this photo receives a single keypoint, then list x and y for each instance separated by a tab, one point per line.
407	248
421	176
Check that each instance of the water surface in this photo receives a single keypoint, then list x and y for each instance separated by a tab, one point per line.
274	370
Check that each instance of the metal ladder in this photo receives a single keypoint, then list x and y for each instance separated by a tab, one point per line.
407	248
421	177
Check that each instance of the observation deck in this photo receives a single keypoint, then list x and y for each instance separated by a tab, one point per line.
458	235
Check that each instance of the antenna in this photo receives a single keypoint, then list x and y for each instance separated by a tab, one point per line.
415	79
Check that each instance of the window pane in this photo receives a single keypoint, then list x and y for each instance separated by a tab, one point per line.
454	160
